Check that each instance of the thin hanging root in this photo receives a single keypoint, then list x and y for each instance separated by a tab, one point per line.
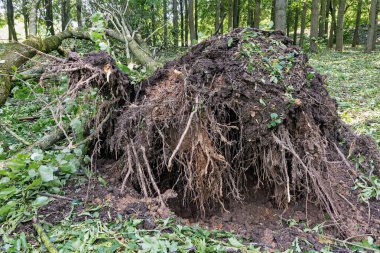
320	191
151	176
130	169
141	173
183	134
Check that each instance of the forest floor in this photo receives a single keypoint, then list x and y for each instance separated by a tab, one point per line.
96	226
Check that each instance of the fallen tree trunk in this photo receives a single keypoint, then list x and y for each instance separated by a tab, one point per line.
138	51
19	53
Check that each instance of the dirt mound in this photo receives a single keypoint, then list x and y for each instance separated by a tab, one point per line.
237	111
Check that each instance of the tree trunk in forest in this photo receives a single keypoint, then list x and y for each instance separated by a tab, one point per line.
280	15
257	14
33	17
340	23
372	27
322	19
236	14
217	16
25	15
355	39
165	10
314	26
303	24
191	21
328	3
17	54
222	16
182	22
295	27
250	13
65	14
141	55
331	41
175	23
230	14
79	13
196	19
273	13
186	22
49	17
289	14
11	21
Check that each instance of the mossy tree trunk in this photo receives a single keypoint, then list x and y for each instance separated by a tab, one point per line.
19	53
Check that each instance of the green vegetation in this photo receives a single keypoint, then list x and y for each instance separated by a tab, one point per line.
353	79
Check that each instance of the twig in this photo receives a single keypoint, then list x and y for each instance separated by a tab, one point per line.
55	196
151	176
349	243
6	128
43	236
183	134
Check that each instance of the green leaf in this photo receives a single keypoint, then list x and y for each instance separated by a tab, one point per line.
37	156
46	173
234	242
274	115
230	41
40	201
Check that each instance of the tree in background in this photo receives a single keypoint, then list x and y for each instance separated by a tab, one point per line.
340	23
49	17
372	26
191	22
280	15
175	23
303	24
257	14
12	36
65	14
355	39
314	26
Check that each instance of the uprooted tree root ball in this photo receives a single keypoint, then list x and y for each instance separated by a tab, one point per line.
246	104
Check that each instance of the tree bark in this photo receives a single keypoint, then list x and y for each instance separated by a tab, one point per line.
273	13
153	19
165	10
230	14
11	21
355	39
250	13
327	16
303	24
182	23
295	27
196	19
331	41
217	15
49	17
19	53
340	23
236	13
372	26
186	23
289	15
25	15
322	19
175	23
257	14
141	55
280	17
191	22
79	13
314	26
65	14
222	15
33	17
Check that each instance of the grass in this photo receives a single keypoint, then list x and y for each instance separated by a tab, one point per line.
353	79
